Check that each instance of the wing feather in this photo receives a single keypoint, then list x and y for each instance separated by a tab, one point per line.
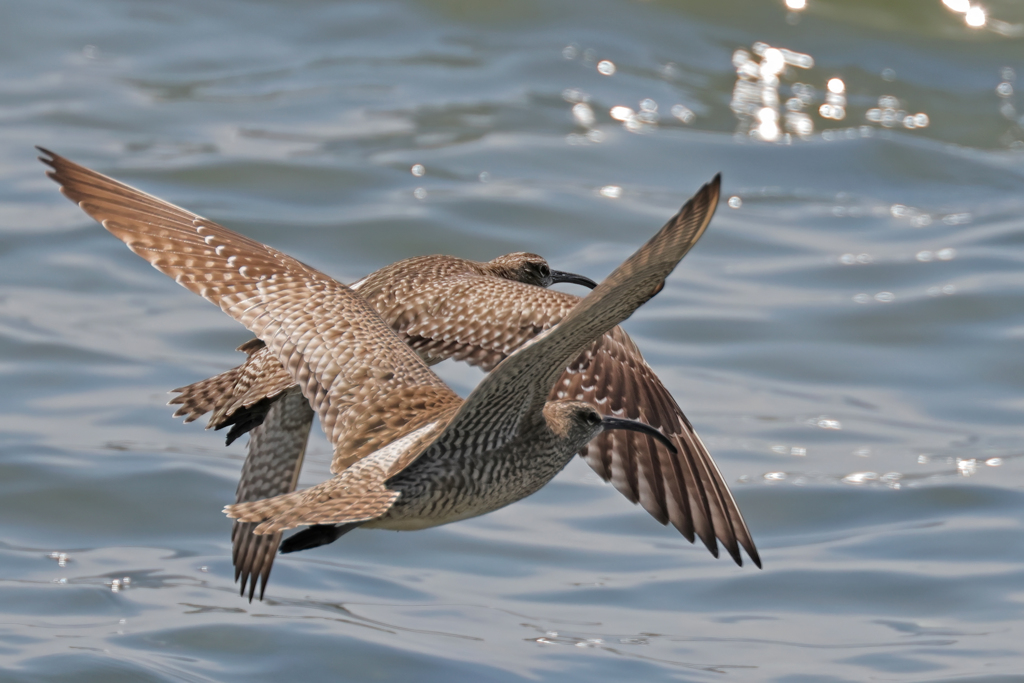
331	341
612	375
341	354
521	384
474	318
276	451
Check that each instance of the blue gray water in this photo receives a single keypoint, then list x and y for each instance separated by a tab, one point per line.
847	340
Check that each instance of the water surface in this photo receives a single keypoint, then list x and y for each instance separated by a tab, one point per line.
847	340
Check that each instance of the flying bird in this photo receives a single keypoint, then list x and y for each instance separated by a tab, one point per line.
408	452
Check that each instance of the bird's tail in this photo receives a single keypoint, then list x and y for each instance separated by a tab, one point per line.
322	504
316	536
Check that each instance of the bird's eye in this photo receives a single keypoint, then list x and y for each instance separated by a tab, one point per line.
544	270
593	418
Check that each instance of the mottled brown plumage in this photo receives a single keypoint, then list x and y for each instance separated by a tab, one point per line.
313	324
248	391
456	312
369	392
392	290
240	397
506	424
276	450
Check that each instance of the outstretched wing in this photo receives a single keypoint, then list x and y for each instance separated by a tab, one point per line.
276	451
483	320
521	384
350	365
686	488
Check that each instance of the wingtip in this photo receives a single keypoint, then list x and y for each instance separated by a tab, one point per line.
709	540
714	185
50	159
735	554
247	581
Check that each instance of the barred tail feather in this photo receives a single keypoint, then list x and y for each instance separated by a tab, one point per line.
262	510
313	506
199	398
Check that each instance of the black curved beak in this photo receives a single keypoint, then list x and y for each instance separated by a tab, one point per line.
572	278
643	428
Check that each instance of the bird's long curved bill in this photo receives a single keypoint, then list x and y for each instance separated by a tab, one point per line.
572	278
635	426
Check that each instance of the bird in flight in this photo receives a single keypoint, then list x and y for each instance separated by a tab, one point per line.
408	452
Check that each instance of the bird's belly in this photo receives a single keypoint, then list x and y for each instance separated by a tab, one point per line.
414	520
446	489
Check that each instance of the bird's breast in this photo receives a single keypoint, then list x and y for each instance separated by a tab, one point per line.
440	488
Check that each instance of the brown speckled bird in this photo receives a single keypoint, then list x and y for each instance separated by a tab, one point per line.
447	308
445	459
426	300
327	341
407	293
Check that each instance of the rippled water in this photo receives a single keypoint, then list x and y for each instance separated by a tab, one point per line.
847	340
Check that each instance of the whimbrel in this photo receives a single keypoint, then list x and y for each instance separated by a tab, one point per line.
420	302
445	459
243	397
414	296
299	312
